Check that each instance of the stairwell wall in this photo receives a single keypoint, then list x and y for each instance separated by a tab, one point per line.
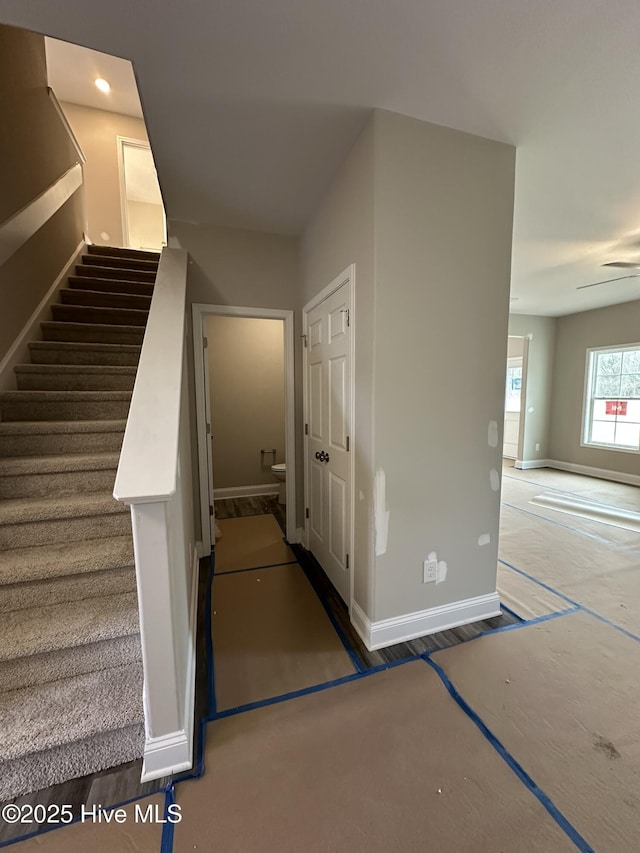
35	151
232	266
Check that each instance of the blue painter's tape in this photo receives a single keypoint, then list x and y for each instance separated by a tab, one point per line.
316	688
525	623
517	768
256	568
511	612
572	602
584	533
166	845
54	827
355	660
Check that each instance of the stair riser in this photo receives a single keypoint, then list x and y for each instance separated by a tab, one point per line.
57	443
63	530
118	252
70	356
104	300
40	770
74	382
67	663
64	484
104	316
91	334
136	288
120	263
64	411
109	272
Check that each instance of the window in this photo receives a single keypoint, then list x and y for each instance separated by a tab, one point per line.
612	403
514	384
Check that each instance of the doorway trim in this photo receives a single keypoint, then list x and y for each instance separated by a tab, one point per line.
347	276
124	216
201	310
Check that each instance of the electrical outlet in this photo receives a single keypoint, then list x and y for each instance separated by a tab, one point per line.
430	571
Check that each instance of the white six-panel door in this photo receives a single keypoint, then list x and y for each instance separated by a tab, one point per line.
328	398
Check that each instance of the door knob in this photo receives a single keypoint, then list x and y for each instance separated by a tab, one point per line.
319	455
322	456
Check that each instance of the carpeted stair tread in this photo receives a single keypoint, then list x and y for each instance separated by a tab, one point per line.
77	296
12	466
126	273
118	262
45	591
75	377
9	428
82	706
24	510
54	330
43	668
110	285
71	623
49	767
121	252
71	352
99	315
46	438
63	559
69	396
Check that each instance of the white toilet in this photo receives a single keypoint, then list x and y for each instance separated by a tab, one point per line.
279	471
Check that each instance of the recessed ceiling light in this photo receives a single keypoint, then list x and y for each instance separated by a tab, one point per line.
102	85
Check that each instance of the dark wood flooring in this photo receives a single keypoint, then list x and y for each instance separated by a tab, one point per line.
256	505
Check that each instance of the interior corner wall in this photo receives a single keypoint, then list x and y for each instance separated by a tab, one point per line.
341	233
35	150
232	266
97	132
602	327
443	230
541	332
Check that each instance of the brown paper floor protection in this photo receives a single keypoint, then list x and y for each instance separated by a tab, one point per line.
271	636
132	836
526	598
563	696
250	542
385	763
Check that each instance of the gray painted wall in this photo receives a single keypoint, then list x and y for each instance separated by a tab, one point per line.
541	332
35	151
229	266
617	324
342	233
443	222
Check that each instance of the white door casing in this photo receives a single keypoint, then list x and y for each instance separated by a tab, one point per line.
329	448
209	450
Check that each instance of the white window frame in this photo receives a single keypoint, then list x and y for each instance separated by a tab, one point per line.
587	398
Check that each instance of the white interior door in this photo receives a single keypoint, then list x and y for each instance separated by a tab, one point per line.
512	407
328	395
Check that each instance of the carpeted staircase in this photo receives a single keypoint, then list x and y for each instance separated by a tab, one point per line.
70	661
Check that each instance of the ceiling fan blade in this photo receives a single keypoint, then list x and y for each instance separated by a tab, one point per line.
608	281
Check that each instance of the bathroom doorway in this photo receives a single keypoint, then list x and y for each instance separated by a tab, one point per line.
243	361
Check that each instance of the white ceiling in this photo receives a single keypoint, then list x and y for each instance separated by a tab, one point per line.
72	71
251	107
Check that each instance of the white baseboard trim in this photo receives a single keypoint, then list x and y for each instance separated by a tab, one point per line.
600	473
173	752
388	632
246	491
299	538
531	463
19	350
